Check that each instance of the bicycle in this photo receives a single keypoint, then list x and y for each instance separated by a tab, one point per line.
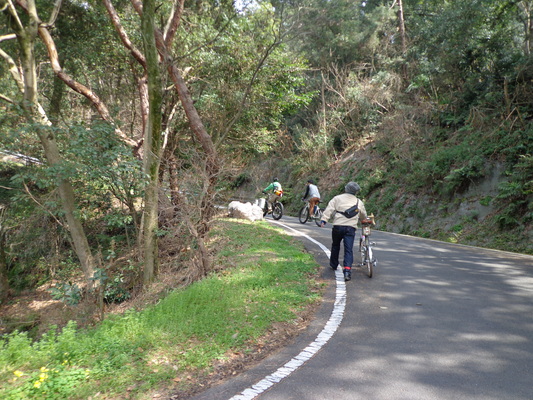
303	214
368	261
277	209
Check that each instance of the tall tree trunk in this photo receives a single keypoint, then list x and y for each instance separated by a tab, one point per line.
163	43
401	28
527	18
195	122
152	143
401	23
323	101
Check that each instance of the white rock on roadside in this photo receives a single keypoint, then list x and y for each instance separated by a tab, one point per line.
236	209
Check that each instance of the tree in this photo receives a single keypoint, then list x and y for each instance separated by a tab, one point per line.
35	115
211	154
243	101
4	282
152	141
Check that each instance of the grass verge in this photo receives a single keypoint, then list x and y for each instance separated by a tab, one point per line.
264	280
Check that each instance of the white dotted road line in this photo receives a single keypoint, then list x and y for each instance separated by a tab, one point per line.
323	337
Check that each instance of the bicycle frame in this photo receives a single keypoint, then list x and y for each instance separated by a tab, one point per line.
317	216
277	208
305	214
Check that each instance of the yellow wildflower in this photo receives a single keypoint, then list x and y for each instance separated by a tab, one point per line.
18	373
37	384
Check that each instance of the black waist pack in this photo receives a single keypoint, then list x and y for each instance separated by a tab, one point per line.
351	212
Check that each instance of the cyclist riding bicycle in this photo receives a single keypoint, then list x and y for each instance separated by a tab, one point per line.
312	195
275	193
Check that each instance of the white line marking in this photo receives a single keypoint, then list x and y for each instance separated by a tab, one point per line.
323	337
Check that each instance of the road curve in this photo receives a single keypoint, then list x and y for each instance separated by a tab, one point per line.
437	321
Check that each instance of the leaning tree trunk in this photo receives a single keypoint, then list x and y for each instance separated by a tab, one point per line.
152	144
26	38
212	162
68	204
4	282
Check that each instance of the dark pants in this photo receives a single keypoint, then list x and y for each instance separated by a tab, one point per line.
342	233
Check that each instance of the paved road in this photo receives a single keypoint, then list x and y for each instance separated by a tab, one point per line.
437	321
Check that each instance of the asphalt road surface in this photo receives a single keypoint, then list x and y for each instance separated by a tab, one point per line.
437	321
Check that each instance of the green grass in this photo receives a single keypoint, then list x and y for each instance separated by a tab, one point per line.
270	280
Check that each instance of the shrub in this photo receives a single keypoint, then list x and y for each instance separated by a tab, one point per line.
458	180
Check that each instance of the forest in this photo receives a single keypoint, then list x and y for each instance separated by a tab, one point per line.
125	126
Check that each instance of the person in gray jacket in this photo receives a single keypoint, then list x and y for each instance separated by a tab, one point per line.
345	209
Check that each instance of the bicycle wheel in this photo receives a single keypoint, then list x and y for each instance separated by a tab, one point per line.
362	252
368	263
303	215
318	217
369	268
277	211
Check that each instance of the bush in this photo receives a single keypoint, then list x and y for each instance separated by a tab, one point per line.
458	180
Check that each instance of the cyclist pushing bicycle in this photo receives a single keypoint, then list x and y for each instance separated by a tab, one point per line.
312	195
345	209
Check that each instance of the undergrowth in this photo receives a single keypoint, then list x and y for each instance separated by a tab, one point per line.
263	277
